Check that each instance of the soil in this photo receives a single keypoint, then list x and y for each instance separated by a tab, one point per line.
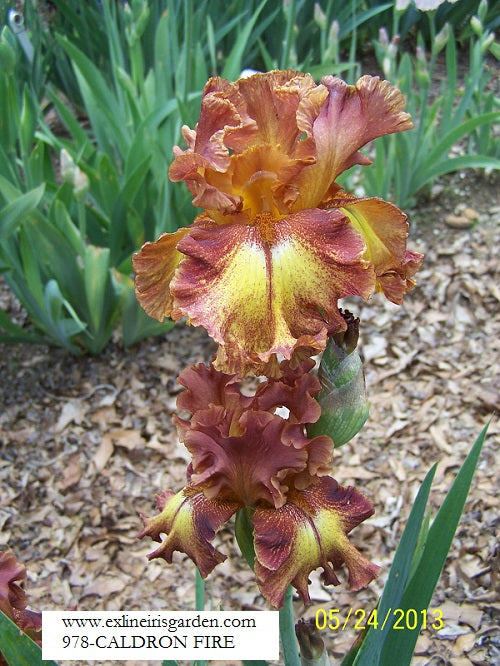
87	442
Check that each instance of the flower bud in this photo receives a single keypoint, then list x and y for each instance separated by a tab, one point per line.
71	173
81	185
67	167
441	38
392	50
383	37
332	52
422	77
319	16
344	408
477	26
312	648
136	18
387	67
420	56
390	54
493	47
487	42
247	72
348	339
421	71
333	35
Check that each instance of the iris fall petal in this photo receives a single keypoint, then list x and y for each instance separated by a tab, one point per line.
258	289
190	521
384	229
154	268
310	531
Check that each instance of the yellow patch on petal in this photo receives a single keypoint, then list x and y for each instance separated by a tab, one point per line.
310	531
190	521
255	176
235	360
261	288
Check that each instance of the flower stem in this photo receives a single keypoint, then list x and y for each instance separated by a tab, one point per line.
290	12
244	535
82	220
199	591
287	631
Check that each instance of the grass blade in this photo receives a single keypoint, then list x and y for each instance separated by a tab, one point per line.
399	646
18	648
373	643
16	211
14	333
233	64
455	164
450	138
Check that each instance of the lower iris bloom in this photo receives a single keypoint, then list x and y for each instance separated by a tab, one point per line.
244	455
13	600
278	242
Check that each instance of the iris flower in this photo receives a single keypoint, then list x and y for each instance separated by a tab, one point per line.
13	600
278	242
245	455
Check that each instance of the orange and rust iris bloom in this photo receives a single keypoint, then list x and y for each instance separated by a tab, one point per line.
278	243
245	455
13	600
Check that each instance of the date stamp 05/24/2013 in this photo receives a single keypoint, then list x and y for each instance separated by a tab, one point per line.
333	619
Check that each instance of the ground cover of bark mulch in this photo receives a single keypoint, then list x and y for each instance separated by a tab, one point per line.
87	442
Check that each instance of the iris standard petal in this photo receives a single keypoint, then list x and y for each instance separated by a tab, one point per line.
242	450
337	120
272	99
249	467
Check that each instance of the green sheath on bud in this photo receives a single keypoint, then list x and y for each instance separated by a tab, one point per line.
319	16
441	38
476	26
344	408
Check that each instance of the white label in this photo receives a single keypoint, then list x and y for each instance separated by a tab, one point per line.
111	635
